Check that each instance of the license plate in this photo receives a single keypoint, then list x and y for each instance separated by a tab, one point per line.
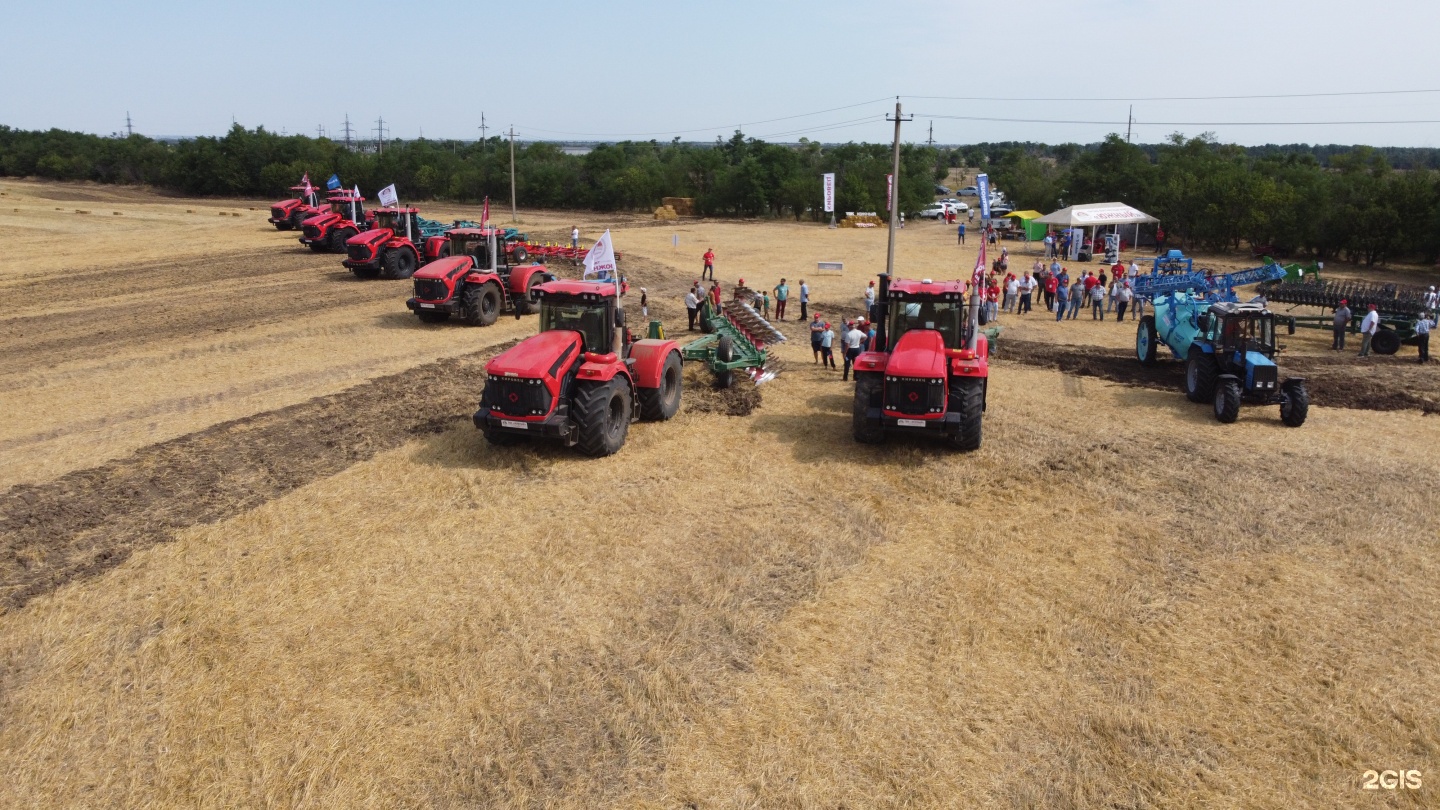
427	306
910	422
517	425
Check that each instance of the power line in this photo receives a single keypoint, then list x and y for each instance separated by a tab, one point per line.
704	129
1182	98
1140	122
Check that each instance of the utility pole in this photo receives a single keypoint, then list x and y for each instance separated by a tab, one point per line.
513	216
1129	119
482	127
380	134
129	127
894	189
348	132
930	141
319	130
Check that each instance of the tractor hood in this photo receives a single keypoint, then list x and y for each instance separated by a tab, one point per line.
918	353
371	237
286	205
535	356
444	268
326	218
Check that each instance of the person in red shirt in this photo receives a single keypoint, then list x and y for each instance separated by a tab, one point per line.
709	264
1051	285
992	298
1090	280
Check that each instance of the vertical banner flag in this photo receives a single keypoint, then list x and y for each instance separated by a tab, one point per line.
829	192
388	195
983	183
485	212
333	183
305	181
600	261
354	203
890	193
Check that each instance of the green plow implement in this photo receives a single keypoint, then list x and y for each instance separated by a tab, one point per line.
736	341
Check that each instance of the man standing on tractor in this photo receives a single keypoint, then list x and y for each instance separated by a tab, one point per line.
1368	327
709	267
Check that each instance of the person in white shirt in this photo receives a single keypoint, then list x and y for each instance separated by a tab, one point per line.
692	307
1133	271
852	340
575	236
1049	245
1122	300
869	298
1368	327
1027	291
1432	299
804	300
1012	293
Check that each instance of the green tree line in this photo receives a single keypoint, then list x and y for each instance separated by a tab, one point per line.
1354	204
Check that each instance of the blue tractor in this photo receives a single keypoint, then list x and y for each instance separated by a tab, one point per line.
1228	347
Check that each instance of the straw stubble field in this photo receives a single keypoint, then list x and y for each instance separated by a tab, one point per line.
256	556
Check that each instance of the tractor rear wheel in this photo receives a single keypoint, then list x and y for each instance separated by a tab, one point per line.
1227	400
427	316
867	390
1147	341
725	353
602	413
480	305
1200	371
659	404
338	238
1294	403
526	303
967	396
1386	341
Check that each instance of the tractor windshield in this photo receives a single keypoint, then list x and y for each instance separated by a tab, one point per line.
389	219
1254	334
341	208
591	320
945	317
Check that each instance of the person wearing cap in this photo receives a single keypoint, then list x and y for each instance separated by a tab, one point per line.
869	297
644	304
1423	325
1368	327
827	341
692	307
1432	299
709	267
1340	326
854	341
782	292
816	327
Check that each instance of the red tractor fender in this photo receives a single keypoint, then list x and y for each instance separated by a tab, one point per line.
432	247
480	276
520	276
649	356
602	368
967	363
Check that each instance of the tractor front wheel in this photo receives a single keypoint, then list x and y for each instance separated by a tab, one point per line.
1147	346
320	246
867	390
1294	403
1200	371
297	219
967	396
659	404
338	239
398	263
365	273
1227	400
602	413
480	305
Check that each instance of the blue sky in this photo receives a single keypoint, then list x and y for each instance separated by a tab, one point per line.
643	68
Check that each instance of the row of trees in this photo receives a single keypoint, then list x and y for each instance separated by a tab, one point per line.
1320	201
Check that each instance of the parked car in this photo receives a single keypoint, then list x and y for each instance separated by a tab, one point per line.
968	191
931	211
955	204
941	190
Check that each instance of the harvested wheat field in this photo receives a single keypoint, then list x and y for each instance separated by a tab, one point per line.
255	554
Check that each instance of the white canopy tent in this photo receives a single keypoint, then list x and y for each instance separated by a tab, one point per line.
1093	215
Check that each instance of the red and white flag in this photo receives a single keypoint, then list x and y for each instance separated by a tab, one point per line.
305	181
485	213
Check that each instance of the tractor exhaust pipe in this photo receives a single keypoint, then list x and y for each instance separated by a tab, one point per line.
879	313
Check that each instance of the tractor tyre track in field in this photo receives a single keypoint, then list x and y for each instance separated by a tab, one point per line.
91	520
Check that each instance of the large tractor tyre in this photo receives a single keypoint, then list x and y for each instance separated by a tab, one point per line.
1386	341
867	390
284	225
320	246
1147	341
725	353
602	413
1200	373
1227	400
427	316
443	252
398	263
526	303
519	255
1294	403
967	397
338	237
297	219
983	316
480	305
659	404
365	273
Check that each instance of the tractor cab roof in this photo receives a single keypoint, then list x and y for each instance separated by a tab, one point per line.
344	196
390	210
926	289
585	290
301	188
1231	308
469	232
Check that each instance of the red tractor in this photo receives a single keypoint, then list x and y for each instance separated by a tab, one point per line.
582	379
474	280
289	215
389	247
929	367
328	230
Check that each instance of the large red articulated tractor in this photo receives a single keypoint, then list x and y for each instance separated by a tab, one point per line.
328	230
928	370
289	215
474	281
582	379
390	247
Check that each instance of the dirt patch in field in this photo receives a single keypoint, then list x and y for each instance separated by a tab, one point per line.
1339	382
701	395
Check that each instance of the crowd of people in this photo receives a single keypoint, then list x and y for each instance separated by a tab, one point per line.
1109	291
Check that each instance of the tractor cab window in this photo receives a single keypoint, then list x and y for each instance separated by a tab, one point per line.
1255	334
341	208
389	219
945	317
591	320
